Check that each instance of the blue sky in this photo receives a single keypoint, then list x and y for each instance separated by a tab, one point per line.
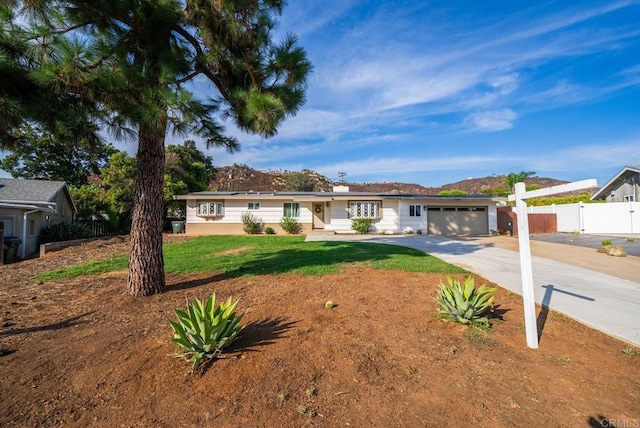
433	92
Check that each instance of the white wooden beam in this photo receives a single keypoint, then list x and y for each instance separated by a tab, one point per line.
554	190
526	269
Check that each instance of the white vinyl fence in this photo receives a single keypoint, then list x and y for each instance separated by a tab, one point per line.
611	217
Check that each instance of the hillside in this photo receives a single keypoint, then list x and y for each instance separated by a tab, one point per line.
475	186
244	178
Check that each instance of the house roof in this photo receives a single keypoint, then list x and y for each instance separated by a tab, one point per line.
325	196
21	192
616	181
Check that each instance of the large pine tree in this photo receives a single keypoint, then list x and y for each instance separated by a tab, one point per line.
125	63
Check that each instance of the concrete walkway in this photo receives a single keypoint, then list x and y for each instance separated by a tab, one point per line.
604	302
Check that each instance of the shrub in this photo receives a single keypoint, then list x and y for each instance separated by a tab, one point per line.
465	304
408	231
203	332
290	225
63	232
269	231
453	192
251	224
606	242
361	225
419	231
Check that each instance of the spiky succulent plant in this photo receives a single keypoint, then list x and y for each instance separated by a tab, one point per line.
465	303
204	330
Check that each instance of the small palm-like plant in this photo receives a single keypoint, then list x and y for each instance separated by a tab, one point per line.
465	303
204	330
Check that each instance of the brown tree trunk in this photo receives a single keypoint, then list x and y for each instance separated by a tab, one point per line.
146	262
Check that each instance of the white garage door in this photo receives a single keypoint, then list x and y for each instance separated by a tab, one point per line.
458	220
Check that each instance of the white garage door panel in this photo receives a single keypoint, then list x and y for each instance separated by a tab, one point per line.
458	221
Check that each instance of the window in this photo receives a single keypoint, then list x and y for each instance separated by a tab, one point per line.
291	209
253	205
210	209
32	227
364	209
415	210
628	198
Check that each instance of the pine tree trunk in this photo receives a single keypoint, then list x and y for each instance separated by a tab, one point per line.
146	262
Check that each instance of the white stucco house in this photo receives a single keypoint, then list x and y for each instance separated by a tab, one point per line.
26	206
219	213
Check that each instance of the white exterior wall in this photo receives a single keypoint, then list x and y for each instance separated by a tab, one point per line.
390	221
271	211
395	213
493	216
14	222
407	222
339	221
336	218
614	217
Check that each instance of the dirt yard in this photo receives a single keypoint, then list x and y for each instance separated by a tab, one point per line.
78	353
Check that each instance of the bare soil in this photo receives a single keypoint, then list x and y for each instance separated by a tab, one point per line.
79	353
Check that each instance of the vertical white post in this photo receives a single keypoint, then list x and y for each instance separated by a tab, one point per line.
581	211
526	269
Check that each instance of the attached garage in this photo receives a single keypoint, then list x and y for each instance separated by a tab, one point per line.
458	220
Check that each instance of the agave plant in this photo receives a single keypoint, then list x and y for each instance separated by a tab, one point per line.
203	330
465	303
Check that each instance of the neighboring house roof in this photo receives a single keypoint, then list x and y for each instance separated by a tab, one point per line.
326	196
616	181
27	193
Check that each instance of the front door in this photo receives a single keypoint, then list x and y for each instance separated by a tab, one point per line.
318	215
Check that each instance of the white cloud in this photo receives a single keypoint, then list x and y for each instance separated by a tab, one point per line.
504	84
377	66
496	120
581	162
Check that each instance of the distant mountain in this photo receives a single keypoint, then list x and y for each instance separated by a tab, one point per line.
475	186
244	178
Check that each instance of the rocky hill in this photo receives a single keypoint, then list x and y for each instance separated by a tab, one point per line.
475	186
244	178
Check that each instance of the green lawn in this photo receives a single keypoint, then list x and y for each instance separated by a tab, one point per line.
236	256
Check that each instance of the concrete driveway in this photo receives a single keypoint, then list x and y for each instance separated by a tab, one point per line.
630	242
604	302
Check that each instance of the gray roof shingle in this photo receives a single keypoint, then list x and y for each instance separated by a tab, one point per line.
12	189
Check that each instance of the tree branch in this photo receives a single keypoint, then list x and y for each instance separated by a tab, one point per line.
191	39
189	77
253	77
